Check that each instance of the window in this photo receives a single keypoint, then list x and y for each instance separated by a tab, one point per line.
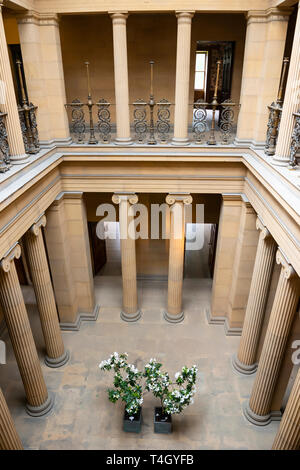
200	70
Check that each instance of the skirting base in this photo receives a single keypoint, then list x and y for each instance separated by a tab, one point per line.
58	361
243	368
173	318
43	409
260	420
229	330
80	318
131	317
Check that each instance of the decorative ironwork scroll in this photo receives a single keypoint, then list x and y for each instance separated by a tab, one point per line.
140	120
104	126
226	121
4	147
28	119
275	111
199	120
78	121
295	142
163	119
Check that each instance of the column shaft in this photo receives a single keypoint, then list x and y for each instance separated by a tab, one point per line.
288	434
9	103
14	310
9	439
130	311
56	355
291	101
184	28
244	362
283	310
121	78
174	313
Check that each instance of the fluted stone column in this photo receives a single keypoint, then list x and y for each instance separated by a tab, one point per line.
8	102
121	78
184	28
38	401
258	411
288	434
244	361
174	313
56	354
9	439
291	102
130	311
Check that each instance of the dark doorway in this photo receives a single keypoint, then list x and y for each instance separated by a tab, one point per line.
15	54
98	248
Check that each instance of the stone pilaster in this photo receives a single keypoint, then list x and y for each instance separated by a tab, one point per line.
14	310
41	53
119	20
264	49
8	102
283	310
288	434
174	312
245	360
130	311
184	28
56	354
9	439
291	102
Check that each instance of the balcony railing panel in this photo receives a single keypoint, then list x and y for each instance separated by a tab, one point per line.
4	147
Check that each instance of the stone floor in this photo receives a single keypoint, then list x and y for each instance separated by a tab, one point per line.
83	418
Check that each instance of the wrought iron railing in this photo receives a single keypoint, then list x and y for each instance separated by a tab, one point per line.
27	115
295	141
4	147
151	121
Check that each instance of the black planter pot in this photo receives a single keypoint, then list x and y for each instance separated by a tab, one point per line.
162	423
132	423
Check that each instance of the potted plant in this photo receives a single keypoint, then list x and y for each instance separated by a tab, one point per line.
174	396
128	388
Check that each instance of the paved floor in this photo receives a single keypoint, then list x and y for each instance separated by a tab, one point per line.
83	418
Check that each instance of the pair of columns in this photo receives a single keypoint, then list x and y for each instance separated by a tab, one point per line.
184	26
258	410
39	401
130	311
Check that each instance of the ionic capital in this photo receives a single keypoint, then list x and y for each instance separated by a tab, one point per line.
119	17
261	226
132	198
36	227
184	16
13	252
185	198
287	268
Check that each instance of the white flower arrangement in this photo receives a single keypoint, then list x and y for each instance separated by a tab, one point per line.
127	387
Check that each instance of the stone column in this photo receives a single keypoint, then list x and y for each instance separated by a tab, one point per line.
121	78
244	361
288	434
174	313
283	310
56	354
184	28
41	53
8	102
130	311
38	401
291	102
264	49
9	439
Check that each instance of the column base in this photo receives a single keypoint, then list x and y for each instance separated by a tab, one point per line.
173	318
19	159
43	409
280	161
131	317
180	142
259	420
120	141
243	368
58	361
